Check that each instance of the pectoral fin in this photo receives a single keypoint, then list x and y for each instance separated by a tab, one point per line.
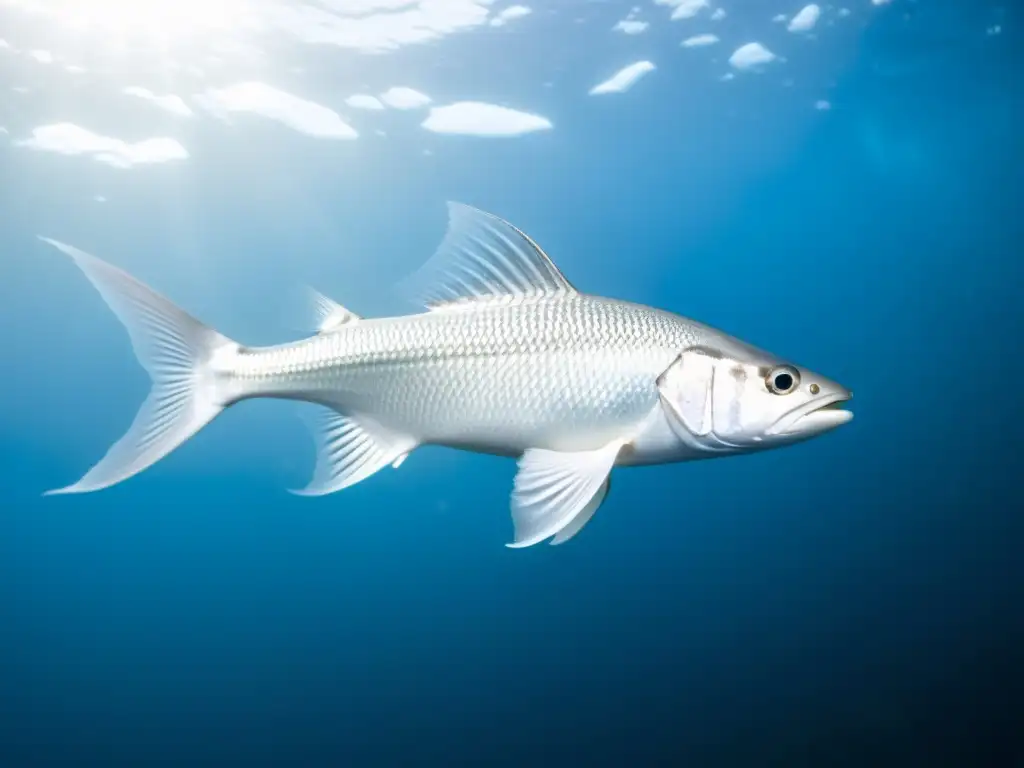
576	524
557	493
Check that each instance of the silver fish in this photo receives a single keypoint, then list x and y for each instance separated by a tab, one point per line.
509	359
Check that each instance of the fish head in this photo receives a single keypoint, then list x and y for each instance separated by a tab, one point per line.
742	399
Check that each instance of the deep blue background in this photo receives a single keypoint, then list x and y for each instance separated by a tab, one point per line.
855	600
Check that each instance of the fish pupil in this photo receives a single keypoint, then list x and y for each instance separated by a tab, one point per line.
783	381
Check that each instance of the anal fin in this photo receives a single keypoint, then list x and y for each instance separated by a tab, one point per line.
349	450
556	493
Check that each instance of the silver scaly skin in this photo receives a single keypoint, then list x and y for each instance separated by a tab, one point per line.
509	359
566	373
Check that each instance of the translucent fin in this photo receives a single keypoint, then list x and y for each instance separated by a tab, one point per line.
686	390
350	450
552	488
330	315
576	524
484	257
176	351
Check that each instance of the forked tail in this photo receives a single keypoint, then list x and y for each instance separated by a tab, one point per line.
177	351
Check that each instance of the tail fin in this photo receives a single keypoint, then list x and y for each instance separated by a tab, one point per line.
176	350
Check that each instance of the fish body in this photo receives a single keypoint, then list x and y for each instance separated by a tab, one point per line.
509	359
566	373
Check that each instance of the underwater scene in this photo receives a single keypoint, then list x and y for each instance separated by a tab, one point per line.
362	361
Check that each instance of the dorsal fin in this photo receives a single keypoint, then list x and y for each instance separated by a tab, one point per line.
330	315
483	257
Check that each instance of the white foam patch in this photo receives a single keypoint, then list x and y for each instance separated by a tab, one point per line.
364	101
684	9
805	20
401	97
699	41
301	115
630	27
70	139
169	103
477	118
511	13
624	79
43	57
879	2
4	45
751	56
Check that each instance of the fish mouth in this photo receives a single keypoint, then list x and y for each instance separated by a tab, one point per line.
815	417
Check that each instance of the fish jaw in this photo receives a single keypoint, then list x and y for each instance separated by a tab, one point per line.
816	418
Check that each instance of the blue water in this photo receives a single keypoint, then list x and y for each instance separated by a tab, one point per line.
850	601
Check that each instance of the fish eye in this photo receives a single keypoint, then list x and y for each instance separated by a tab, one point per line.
782	380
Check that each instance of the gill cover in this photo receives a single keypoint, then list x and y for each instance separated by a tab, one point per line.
686	388
702	394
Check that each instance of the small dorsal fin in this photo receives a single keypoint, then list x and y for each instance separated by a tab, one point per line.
329	314
483	257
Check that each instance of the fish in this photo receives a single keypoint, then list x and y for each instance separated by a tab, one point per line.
506	358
